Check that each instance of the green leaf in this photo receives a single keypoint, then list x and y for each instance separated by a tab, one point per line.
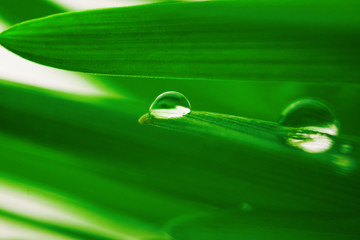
14	12
263	138
108	141
200	40
243	130
261	225
93	157
18	10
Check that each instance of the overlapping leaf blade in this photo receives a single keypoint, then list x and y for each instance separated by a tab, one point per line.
200	40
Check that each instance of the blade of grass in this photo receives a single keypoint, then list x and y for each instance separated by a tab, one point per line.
223	174
243	130
267	139
14	12
199	40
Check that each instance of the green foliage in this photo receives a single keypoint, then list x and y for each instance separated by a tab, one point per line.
16	11
208	175
201	40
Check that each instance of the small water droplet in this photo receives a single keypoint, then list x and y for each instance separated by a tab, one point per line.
170	105
246	207
345	148
343	160
343	164
310	125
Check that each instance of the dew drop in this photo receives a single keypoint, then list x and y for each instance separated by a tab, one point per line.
170	105
246	207
310	125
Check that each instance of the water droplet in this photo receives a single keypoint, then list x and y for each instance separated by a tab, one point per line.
246	207
343	161
170	105
345	148
343	164
310	125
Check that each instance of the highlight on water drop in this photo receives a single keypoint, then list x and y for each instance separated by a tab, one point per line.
170	104
309	125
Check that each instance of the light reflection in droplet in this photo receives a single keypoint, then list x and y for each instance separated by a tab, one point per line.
311	142
309	125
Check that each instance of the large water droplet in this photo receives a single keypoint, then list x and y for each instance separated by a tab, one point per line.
170	105
310	125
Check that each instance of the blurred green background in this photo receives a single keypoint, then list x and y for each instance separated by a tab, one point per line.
76	164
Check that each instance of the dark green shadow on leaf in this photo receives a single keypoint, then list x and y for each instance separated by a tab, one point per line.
16	11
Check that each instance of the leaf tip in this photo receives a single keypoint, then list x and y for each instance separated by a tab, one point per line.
145	119
4	36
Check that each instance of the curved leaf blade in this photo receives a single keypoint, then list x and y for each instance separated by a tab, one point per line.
198	40
263	138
